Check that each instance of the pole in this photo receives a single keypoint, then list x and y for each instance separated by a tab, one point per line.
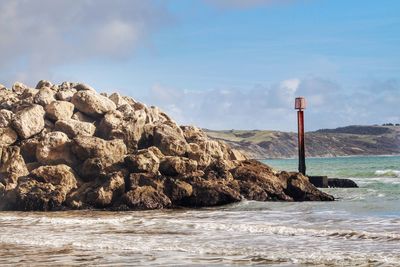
302	156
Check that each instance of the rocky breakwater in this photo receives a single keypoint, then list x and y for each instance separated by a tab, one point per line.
68	147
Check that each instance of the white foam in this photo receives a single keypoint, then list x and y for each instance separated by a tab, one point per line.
388	173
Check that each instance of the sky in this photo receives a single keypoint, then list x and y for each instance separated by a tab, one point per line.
217	64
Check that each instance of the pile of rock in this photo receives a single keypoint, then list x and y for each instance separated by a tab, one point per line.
67	147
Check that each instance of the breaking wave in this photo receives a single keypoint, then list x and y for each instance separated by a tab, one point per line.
388	173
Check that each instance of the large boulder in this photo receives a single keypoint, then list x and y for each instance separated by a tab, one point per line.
45	96
146	198
29	121
55	148
93	147
128	127
91	103
145	160
173	166
45	189
75	128
170	140
59	110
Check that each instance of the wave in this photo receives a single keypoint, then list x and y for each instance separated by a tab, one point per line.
388	173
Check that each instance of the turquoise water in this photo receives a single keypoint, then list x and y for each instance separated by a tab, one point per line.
344	167
361	228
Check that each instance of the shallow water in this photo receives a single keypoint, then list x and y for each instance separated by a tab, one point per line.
361	228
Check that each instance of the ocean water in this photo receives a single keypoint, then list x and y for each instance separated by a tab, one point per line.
361	228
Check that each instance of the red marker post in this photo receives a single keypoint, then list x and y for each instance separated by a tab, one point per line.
300	105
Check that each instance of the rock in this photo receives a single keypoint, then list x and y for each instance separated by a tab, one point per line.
57	175
7	136
193	134
258	180
28	149
45	96
173	166
75	128
92	104
12	166
341	183
65	95
29	93
43	83
108	192
129	128
59	110
46	189
300	189
83	87
29	121
55	148
170	140
6	117
208	193
127	156
94	147
145	198
18	87
79	116
178	191
117	99
144	161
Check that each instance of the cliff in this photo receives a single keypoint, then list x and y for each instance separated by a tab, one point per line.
68	147
344	141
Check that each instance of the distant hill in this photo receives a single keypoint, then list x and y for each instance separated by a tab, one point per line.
343	141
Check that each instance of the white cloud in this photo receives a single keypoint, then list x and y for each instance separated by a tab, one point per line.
272	107
36	36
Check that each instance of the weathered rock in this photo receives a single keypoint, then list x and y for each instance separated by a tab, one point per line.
18	87
117	99
93	147
12	166
144	161
212	193
91	103
341	183
108	192
75	128
170	140
55	148
257	180
145	198
45	96
178	191
139	159
173	166
43	83
79	116
6	117
83	87
46	189
129	128
59	110
7	136
300	188
29	121
65	95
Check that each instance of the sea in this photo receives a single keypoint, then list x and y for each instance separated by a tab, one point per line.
361	228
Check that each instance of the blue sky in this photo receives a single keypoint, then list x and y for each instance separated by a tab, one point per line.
219	64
